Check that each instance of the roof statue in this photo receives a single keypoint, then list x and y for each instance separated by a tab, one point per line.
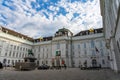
91	30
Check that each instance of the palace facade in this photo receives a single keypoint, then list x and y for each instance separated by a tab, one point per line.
74	50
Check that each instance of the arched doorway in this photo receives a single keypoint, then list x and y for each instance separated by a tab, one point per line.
94	63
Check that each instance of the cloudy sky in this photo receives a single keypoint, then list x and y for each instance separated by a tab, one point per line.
42	18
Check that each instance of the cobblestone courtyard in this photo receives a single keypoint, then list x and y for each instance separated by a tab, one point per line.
69	74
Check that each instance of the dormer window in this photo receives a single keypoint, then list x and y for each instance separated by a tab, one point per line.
95	31
86	32
91	32
102	30
80	34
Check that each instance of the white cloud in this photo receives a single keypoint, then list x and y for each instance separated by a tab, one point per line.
35	24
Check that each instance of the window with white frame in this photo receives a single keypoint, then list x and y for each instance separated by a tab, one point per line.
84	45
10	53
93	52
78	46
102	53
101	45
92	44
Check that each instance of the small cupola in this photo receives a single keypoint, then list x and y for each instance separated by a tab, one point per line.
63	32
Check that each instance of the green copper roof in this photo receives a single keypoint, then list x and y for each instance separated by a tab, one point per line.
63	30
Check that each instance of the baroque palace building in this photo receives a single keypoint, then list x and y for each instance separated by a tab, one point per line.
74	50
110	11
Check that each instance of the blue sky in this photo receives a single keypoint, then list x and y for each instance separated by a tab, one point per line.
42	18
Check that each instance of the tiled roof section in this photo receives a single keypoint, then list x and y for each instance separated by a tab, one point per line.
87	32
11	32
43	39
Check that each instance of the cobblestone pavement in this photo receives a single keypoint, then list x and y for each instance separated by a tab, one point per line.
69	74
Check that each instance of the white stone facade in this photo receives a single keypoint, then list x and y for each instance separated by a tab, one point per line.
74	50
110	11
13	49
85	50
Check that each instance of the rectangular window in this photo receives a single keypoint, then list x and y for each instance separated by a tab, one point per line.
73	53
8	61
101	44
10	53
11	46
14	47
18	48
72	46
103	61
93	52
23	49
79	53
42	62
66	46
78	46
23	55
58	45
6	54
39	48
92	44
102	54
85	52
84	45
47	55
13	54
118	46
46	62
38	56
17	55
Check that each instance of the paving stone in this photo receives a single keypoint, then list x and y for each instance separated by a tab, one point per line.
69	74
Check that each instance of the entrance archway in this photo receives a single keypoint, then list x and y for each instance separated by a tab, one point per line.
94	63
